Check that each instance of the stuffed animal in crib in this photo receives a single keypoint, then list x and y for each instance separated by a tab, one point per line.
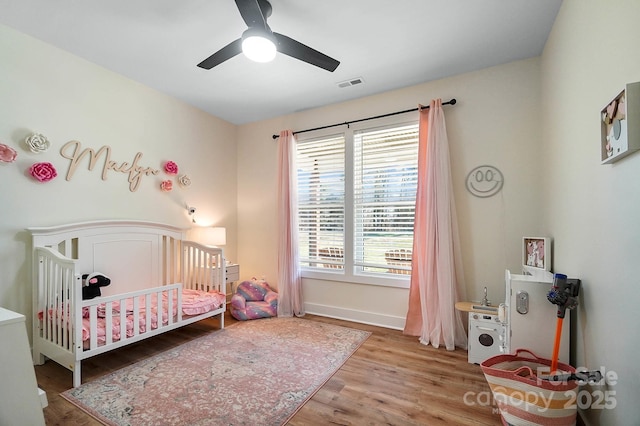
91	284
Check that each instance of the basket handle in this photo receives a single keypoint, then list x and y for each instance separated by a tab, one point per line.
518	351
524	369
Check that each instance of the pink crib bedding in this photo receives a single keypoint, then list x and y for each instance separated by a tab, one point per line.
194	302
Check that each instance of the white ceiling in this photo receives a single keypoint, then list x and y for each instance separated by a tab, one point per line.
388	43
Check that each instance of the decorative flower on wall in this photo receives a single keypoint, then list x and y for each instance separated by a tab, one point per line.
184	181
43	172
7	154
166	185
171	168
37	143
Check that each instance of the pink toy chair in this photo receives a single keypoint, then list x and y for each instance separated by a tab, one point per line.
254	299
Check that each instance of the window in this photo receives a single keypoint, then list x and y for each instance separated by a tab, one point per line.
321	202
356	202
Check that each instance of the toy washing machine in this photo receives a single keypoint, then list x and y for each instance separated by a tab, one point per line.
486	337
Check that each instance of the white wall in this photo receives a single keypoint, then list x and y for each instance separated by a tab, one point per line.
592	210
46	90
496	122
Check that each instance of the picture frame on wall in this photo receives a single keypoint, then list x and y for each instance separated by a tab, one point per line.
620	125
536	254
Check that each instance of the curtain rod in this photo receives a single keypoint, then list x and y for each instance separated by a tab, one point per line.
347	123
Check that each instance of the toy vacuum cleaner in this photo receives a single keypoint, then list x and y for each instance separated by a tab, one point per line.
564	293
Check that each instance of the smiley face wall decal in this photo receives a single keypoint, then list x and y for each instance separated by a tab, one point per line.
484	181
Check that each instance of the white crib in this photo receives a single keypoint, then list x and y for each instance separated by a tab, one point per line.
159	282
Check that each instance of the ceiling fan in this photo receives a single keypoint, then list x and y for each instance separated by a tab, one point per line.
265	42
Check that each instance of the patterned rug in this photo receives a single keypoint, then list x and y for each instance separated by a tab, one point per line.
257	372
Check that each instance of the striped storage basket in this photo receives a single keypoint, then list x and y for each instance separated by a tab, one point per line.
523	398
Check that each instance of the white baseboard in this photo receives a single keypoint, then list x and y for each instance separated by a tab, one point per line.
370	318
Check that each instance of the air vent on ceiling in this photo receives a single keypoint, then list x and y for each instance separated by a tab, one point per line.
351	82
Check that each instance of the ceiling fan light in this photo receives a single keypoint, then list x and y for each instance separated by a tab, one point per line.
258	47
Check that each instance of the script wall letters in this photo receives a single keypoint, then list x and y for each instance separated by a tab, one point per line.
73	151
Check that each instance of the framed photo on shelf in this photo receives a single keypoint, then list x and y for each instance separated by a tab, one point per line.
536	253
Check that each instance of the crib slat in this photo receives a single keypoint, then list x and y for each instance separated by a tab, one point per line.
58	306
179	297
123	318
108	317
170	298
93	326
147	314
136	318
66	312
48	304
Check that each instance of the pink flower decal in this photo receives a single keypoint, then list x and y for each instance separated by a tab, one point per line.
43	172
7	154
166	185
171	168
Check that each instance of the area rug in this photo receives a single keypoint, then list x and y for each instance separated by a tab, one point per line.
257	372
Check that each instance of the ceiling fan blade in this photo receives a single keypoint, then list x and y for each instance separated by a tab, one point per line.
253	13
297	50
229	51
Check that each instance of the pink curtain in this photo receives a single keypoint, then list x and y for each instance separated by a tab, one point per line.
289	282
437	280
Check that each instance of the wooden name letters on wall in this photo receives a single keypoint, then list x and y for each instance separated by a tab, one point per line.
73	151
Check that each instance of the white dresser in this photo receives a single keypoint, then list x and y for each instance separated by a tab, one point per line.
21	401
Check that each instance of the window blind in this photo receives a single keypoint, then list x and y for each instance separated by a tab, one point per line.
321	202
385	184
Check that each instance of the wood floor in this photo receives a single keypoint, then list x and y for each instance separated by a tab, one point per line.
390	380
